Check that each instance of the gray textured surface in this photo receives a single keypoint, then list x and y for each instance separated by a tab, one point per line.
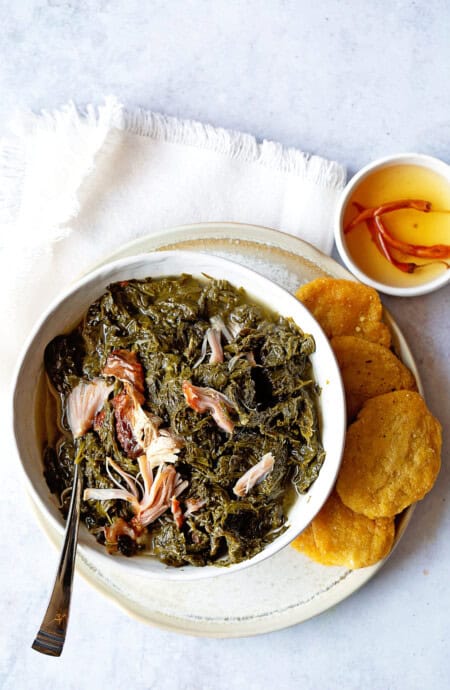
351	81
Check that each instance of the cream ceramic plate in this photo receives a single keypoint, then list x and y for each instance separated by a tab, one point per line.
287	588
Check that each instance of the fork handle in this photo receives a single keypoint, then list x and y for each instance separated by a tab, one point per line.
52	633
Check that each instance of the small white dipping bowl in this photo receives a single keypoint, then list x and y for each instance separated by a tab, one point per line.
416	159
66	312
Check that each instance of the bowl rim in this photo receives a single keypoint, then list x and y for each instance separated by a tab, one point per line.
420	159
185	573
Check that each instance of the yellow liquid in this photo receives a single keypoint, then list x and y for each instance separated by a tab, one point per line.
392	184
47	413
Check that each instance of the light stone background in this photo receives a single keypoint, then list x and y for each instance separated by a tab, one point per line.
347	80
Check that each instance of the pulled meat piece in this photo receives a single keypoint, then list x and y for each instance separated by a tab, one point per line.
125	366
193	504
177	512
157	496
120	536
119	528
209	400
254	475
83	404
123	405
138	431
99	420
213	336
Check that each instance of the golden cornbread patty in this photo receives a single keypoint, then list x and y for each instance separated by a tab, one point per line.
343	307
339	536
392	455
368	369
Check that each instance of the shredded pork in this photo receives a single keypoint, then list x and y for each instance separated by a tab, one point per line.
254	475
147	504
209	400
125	366
83	404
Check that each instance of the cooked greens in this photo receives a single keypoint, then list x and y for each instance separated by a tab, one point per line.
206	386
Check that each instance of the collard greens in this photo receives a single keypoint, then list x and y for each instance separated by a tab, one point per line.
266	377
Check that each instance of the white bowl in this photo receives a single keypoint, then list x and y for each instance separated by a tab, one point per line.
418	159
67	310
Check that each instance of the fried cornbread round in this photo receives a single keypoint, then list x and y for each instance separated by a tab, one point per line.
305	543
368	369
339	536
343	307
392	455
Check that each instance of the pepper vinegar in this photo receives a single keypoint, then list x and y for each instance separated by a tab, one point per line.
406	224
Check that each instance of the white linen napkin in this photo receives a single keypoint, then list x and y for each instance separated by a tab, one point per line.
75	186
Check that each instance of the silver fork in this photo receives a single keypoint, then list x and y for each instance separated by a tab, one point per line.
52	633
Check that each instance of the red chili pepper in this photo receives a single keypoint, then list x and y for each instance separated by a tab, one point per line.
405	266
434	251
417	204
384	240
376	237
